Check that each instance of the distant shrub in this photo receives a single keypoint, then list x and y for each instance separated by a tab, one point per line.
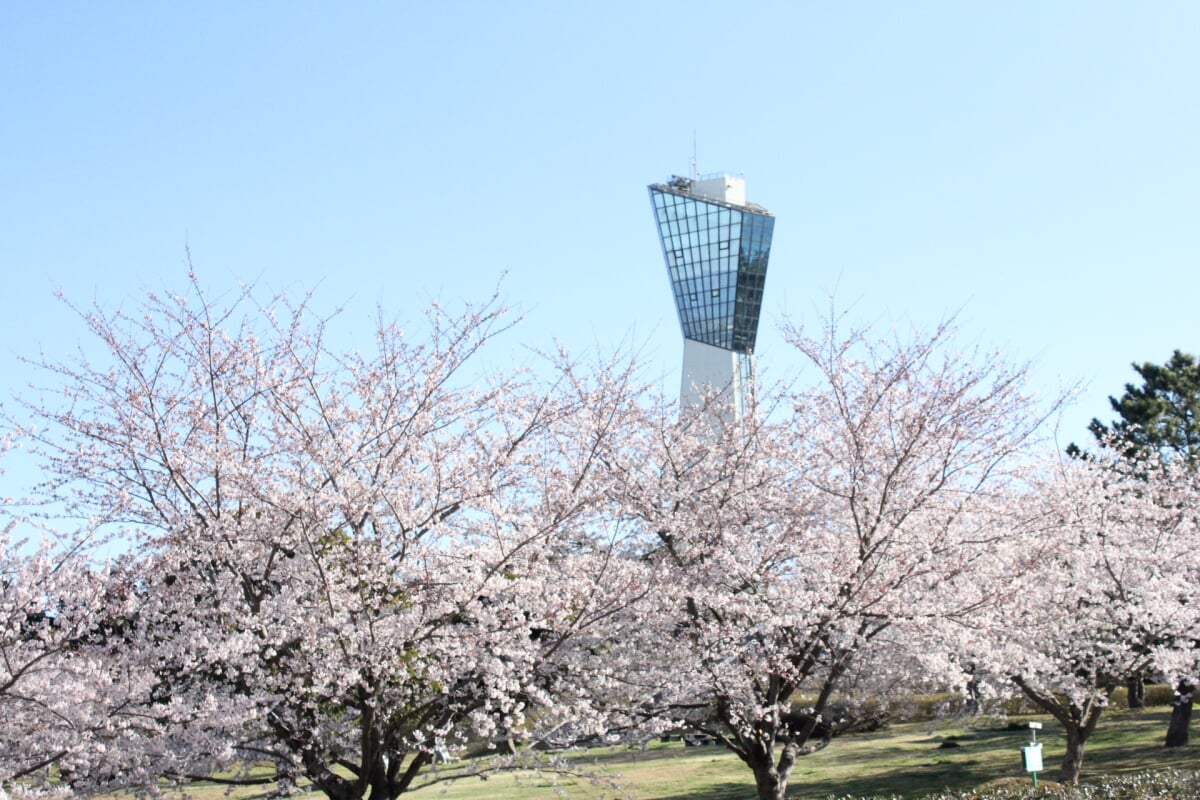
1160	694
1157	694
930	706
1017	705
935	705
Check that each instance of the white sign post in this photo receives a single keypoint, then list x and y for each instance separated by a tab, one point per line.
1031	754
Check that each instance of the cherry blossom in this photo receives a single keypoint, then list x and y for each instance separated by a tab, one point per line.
340	563
806	546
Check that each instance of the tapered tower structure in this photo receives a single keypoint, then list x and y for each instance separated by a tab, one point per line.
716	247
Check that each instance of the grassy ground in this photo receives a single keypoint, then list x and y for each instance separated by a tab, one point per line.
908	760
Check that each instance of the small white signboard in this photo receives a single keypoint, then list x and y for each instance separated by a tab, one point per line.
1032	756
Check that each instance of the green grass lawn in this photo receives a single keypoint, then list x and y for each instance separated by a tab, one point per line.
906	760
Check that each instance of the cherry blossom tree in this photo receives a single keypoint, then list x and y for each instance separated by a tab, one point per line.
804	545
35	645
1157	417
1102	588
49	601
343	563
64	701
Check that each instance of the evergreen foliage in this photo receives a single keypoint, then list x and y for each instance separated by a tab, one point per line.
1163	414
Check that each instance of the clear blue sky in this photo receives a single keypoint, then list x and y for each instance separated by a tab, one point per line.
1034	166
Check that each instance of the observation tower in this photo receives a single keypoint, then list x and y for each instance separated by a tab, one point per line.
716	246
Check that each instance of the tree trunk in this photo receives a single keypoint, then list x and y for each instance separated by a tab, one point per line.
770	778
1181	715
974	704
1078	720
1072	762
769	784
1136	691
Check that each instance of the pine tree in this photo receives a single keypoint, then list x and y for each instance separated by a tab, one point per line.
1162	414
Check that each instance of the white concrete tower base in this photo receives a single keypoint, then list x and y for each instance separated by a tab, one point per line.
715	374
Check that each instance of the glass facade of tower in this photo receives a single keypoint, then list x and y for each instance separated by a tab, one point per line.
716	254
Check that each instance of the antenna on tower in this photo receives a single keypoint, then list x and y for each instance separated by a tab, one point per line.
695	166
